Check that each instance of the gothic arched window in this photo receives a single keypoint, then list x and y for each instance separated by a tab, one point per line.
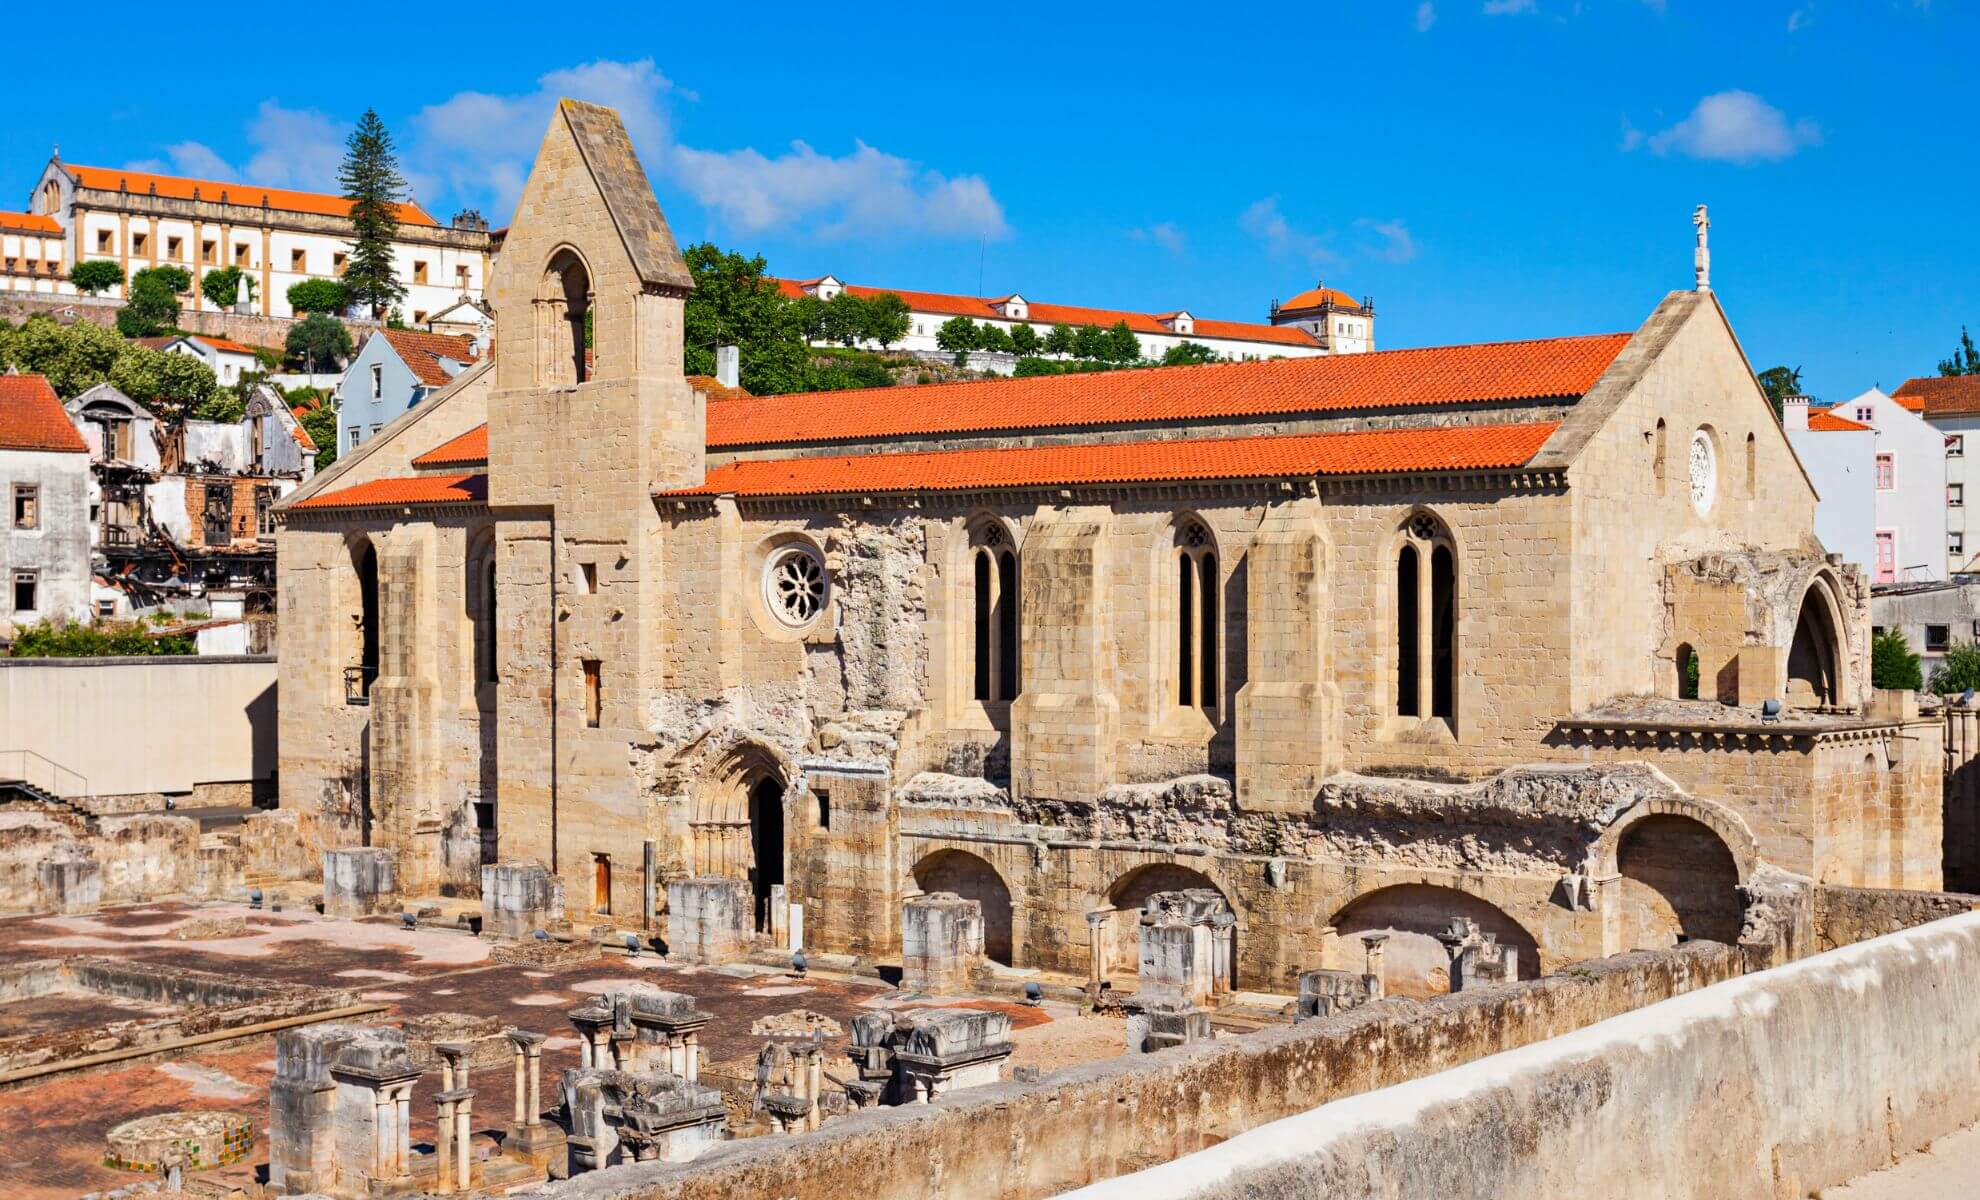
480	597
1198	620
994	576
1426	620
565	321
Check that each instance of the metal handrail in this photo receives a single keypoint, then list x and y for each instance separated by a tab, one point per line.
36	771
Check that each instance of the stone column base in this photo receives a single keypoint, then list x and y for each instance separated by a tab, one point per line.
534	1144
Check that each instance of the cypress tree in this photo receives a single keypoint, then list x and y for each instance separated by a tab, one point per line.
372	183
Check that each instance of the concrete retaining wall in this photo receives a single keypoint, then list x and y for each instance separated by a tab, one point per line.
1103	1119
1772	1085
143	725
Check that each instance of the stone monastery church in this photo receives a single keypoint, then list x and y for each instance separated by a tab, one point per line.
1363	643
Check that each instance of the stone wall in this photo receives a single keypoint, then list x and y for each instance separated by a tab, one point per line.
1778	1084
1019	1141
1847	915
248	328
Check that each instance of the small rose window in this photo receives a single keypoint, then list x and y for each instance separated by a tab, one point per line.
795	586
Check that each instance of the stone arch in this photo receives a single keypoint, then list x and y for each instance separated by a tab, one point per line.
994	622
1728	826
564	302
1678	882
1195	614
732	828
1410	916
1129	893
364	570
478	605
1426	603
1818	655
972	878
1685	660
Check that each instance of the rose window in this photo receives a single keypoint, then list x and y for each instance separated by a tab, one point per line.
795	586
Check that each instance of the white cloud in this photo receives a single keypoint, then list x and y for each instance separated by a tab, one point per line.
1392	241
477	144
1732	126
293	147
1269	227
1507	8
1165	235
1799	19
1426	16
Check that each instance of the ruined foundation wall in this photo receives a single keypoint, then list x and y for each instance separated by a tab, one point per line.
1846	915
1770	1085
1020	1141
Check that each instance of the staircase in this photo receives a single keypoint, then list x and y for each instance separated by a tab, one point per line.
25	775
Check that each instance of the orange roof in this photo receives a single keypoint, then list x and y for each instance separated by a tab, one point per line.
1936	394
1825	420
30	223
984	309
422	352
223	344
470	447
32	417
109	179
417	489
1314	297
303	439
1546	369
711	387
1369	452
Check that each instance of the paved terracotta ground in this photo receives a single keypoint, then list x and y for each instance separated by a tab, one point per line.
51	1134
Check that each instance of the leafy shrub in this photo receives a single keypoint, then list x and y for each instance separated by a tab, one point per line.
74	640
1893	664
1960	671
95	276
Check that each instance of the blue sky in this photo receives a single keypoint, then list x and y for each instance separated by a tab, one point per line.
1490	169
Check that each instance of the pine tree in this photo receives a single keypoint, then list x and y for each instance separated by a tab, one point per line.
372	183
1965	359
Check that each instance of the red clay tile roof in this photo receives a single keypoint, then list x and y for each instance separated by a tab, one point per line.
1826	421
984	309
1546	369
1934	394
32	417
30	223
1372	452
110	179
1314	297
422	352
224	344
417	489
303	439
469	448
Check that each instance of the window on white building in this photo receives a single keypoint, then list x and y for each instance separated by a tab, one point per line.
1937	637
103	242
1955	445
27	506
1886	472
1955	495
298	260
377	381
419	270
1955	543
1864	413
207	251
241	254
357	436
1886	571
26	584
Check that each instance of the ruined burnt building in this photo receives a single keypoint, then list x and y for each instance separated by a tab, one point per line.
1536	635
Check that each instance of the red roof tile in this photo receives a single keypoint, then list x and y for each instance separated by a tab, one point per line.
1372	452
470	447
422	352
984	309
417	489
303	439
32	417
1551	368
30	223
1826	421
110	179
224	344
1936	394
1314	297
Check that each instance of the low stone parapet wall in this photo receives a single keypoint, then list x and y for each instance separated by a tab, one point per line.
1774	1085
1847	915
1103	1119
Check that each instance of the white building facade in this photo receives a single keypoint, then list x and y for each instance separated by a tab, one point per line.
1304	332
1840	457
32	255
1951	406
278	236
44	477
1908	472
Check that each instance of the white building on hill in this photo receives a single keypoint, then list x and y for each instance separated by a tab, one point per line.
280	236
1321	321
1906	471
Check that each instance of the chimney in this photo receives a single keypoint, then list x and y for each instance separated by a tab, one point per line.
1794	414
728	365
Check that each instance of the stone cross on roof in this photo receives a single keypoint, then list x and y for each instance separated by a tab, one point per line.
1701	258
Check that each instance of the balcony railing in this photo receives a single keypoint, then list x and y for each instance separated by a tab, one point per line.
357	684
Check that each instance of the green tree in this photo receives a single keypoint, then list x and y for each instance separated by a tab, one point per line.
1061	339
845	319
735	304
152	307
1965	359
1779	383
320	423
1892	663
318	296
222	287
75	357
1189	354
172	386
1960	671
995	338
372	183
1024	340
887	319
808	314
172	277
107	640
318	338
1090	342
957	335
1122	345
96	276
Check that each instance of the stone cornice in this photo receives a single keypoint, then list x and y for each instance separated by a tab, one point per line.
1733	738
